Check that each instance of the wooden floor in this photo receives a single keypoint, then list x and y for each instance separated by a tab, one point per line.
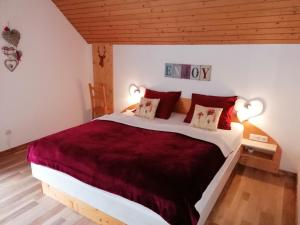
251	197
22	201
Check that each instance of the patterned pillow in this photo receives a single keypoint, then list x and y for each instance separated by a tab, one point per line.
206	117
147	108
227	103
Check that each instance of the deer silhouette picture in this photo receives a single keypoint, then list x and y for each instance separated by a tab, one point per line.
101	55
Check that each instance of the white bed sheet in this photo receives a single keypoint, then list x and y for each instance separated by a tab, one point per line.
133	213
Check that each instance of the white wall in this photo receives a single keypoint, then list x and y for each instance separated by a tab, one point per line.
48	90
270	72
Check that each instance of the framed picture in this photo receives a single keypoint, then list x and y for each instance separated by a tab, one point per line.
186	71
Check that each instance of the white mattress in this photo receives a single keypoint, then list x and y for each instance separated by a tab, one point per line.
133	213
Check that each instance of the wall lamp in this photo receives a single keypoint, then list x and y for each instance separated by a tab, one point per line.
136	92
247	109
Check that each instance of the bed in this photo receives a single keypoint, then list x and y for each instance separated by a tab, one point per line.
135	212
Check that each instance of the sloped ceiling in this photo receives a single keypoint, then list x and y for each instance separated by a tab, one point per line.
184	21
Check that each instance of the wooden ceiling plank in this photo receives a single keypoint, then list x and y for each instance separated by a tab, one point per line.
108	7
185	17
273	12
119	5
246	13
290	31
200	39
184	21
191	21
161	4
199	42
208	27
254	5
73	2
237	6
218	40
197	31
198	36
81	5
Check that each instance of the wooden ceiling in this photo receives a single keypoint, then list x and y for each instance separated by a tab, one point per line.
184	21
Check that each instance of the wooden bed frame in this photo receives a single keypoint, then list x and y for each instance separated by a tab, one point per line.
80	207
102	218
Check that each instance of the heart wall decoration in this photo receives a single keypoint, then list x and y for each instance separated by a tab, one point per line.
12	37
11	64
247	109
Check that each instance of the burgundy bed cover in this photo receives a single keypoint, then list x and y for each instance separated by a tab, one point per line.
164	171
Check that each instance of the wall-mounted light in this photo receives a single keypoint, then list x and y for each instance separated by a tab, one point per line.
247	109
136	92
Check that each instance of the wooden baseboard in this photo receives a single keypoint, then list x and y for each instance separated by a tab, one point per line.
79	206
14	150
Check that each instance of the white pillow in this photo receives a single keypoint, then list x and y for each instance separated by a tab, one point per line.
147	108
206	117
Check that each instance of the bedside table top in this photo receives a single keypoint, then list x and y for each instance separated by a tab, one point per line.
259	145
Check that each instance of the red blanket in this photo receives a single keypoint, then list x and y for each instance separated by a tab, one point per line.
164	171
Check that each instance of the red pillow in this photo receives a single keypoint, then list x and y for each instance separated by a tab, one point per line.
227	103
167	102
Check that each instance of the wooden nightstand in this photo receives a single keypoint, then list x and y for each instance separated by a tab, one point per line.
263	156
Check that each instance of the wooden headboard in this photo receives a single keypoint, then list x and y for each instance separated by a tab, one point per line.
183	106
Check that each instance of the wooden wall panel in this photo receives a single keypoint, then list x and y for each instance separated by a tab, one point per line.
184	21
104	74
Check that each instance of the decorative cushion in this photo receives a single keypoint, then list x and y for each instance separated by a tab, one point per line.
206	117
147	108
167	102
226	103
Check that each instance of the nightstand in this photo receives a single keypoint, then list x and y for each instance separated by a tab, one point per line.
260	155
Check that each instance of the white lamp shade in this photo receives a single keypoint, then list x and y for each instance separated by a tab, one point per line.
136	92
133	90
248	109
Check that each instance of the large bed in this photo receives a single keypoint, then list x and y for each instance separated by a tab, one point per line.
145	189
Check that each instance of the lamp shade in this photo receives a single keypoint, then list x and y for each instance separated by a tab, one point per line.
136	92
247	109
